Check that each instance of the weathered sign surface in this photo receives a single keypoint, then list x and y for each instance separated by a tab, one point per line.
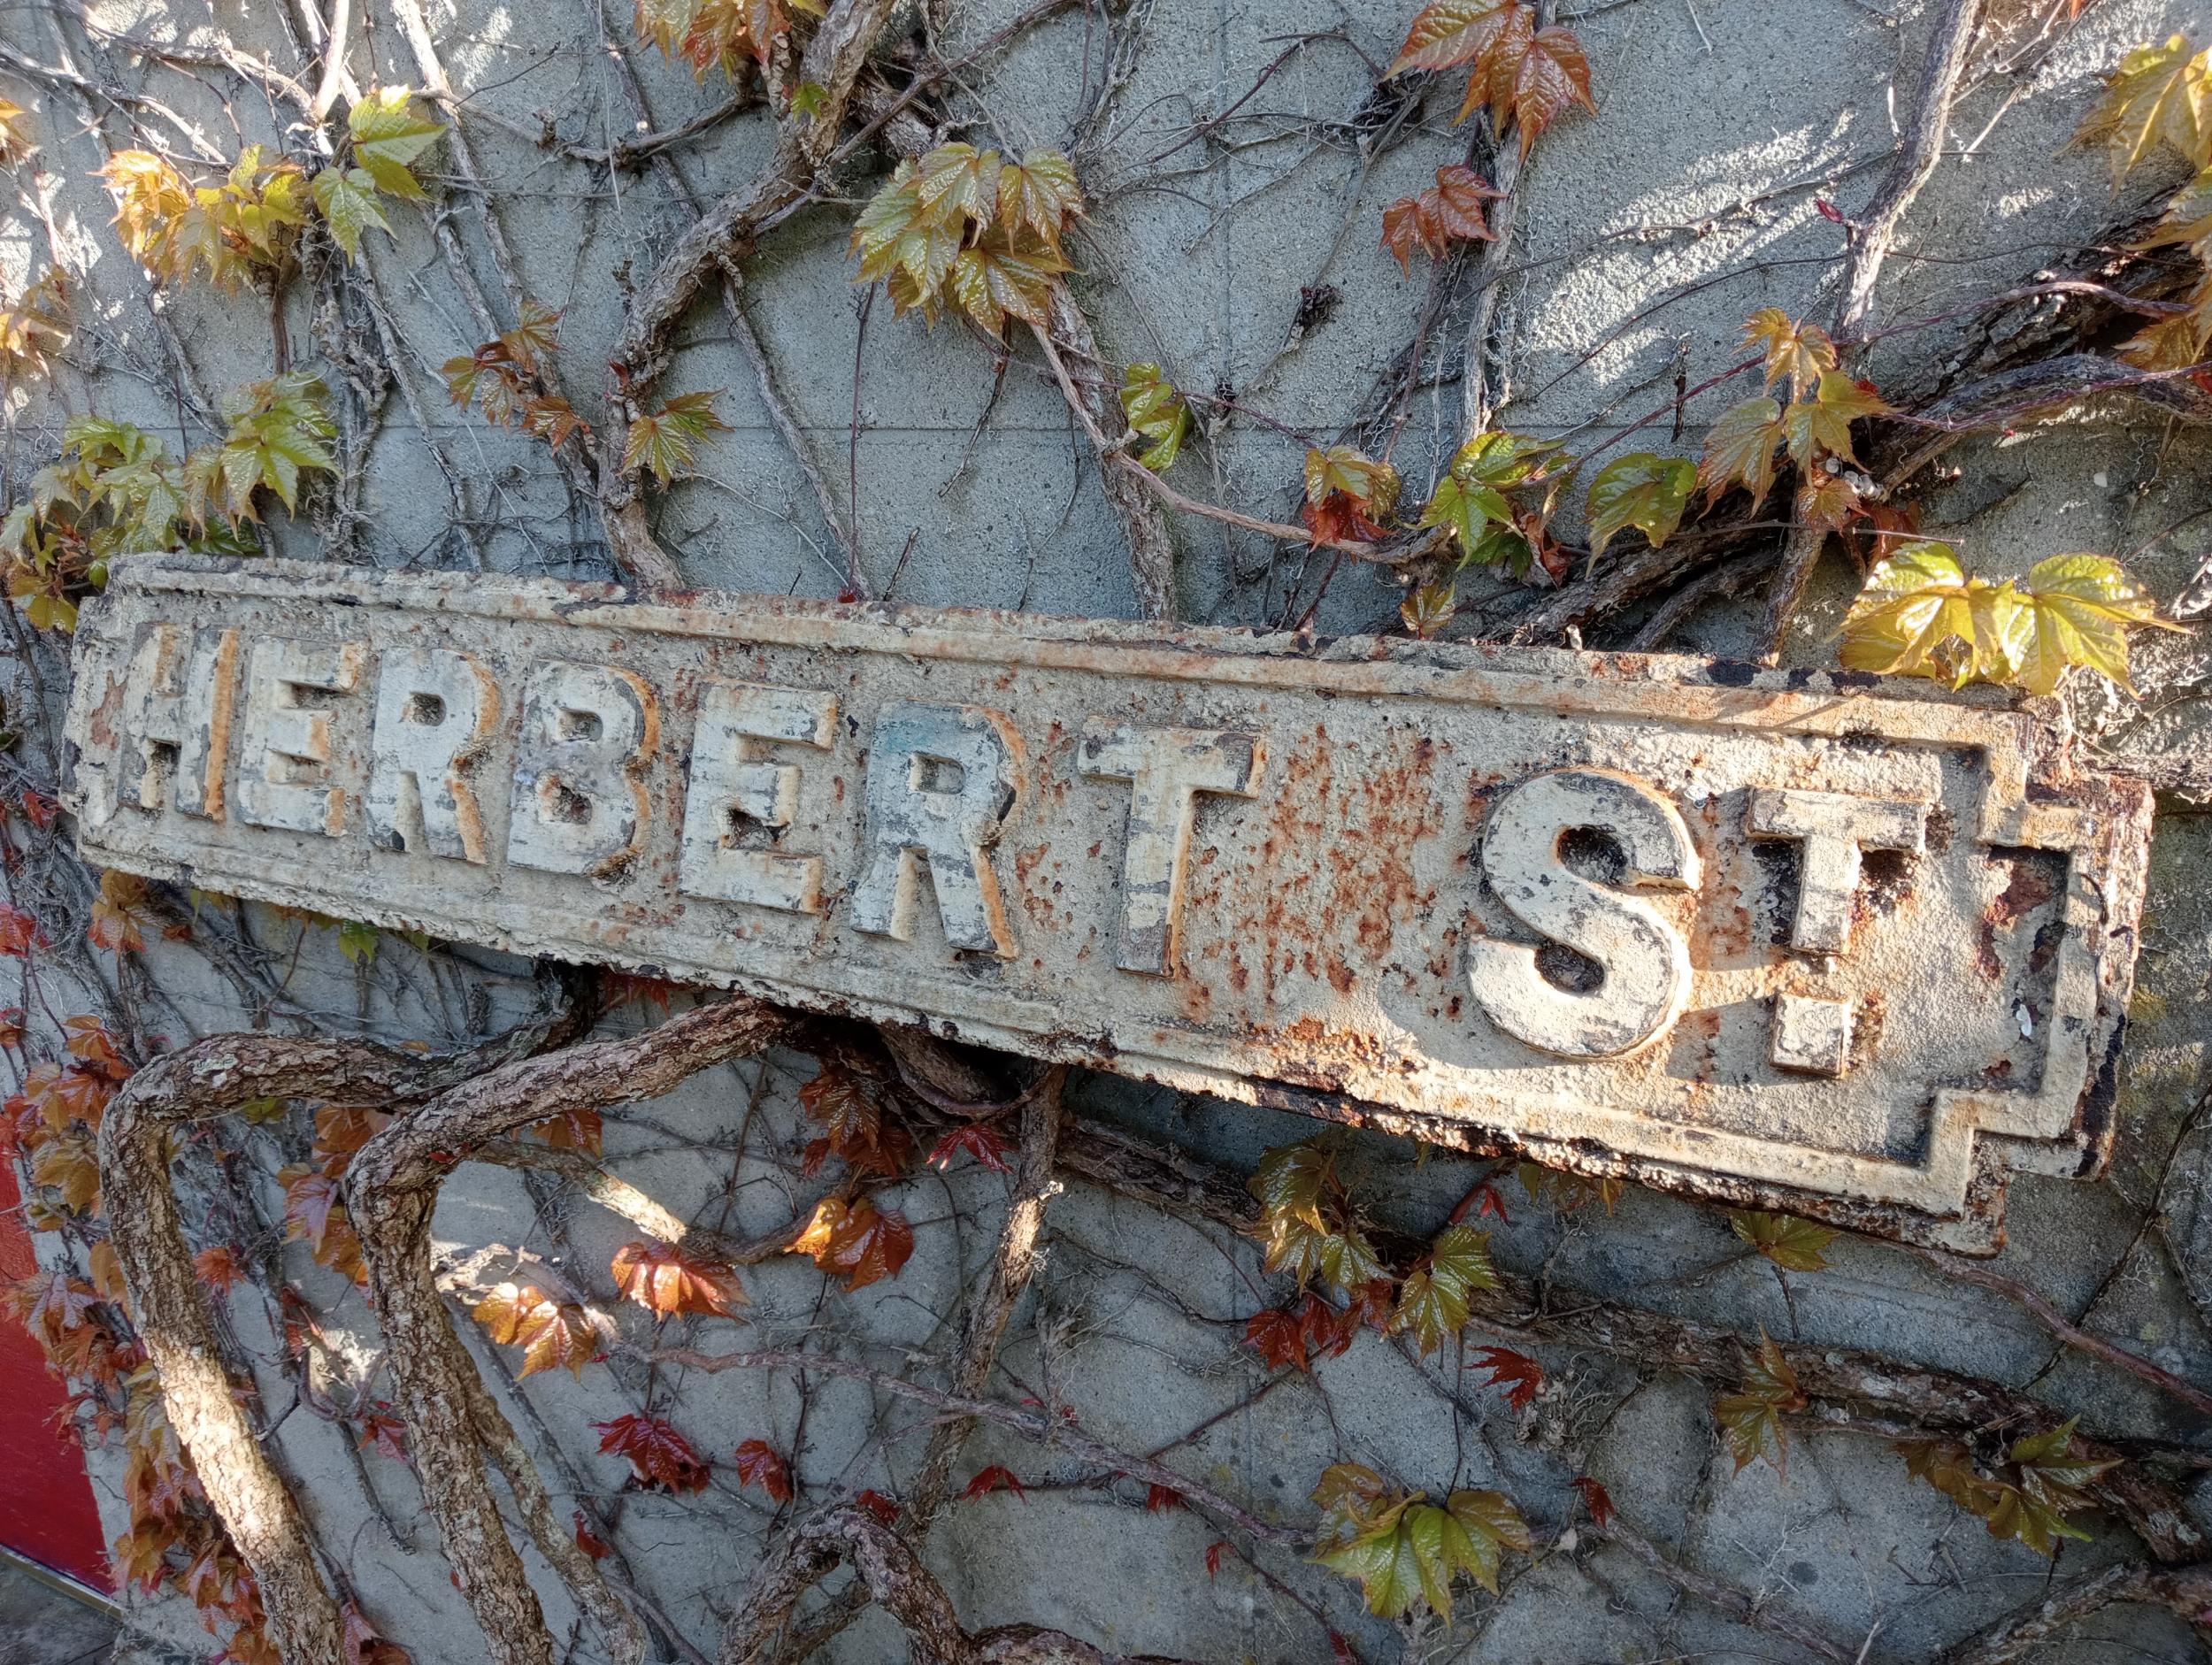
1780	938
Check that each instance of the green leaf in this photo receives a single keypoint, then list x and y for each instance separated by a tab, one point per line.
1479	1525
809	98
1820	426
1433	1307
280	431
347	197
1752	1418
1497	457
1643	490
1740	450
2083	605
667	440
1471	512
1794	1245
1461	1255
389	135
1349	1260
1155	412
1290	1179
357	942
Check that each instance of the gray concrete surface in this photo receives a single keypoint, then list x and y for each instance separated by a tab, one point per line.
42	1625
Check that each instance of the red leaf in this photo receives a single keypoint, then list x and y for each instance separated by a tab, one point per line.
1828	210
661	1457
40	810
1596	1500
1213	1557
1290	1336
1159	1499
589	1541
859	1132
997	1478
1341	1651
879	1506
217	1267
859	1240
18	932
364	1646
759	1464
1505	1366
385	1431
977	1140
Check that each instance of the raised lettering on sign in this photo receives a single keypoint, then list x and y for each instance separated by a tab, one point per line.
176	720
941	780
1613	912
738	793
580	803
1166	769
1643	964
291	690
436	713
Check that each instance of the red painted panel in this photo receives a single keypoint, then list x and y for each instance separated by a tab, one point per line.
46	1507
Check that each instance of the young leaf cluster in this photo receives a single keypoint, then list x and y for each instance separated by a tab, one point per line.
2160	100
1752	1419
1525	76
115	489
1157	414
1449	211
2040	1483
508	379
1308	1223
724	34
1921	616
1405	1550
1813	428
962	229
1495	502
245	227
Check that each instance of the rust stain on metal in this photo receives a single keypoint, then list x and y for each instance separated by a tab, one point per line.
1788	939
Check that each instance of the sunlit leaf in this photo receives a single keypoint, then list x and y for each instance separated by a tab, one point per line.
1643	490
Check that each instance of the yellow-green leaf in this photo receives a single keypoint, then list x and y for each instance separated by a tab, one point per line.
389	135
1643	490
1155	412
2160	94
1794	1245
667	440
347	199
1740	450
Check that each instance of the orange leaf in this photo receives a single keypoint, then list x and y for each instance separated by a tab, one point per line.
857	1240
552	1333
665	1280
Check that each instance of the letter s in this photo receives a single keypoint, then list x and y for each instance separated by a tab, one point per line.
1646	963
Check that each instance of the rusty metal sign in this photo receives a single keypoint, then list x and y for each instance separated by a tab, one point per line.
1786	939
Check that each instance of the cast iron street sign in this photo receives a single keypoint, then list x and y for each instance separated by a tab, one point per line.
1796	940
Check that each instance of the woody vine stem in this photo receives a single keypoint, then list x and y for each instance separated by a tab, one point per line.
863	110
